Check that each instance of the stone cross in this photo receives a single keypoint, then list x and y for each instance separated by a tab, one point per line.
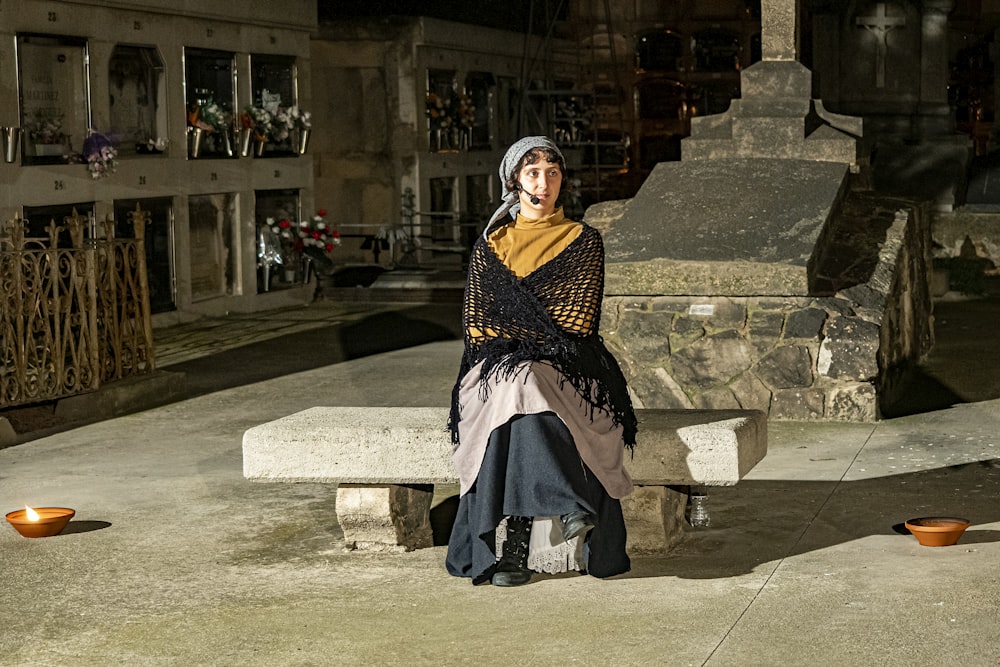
880	25
778	34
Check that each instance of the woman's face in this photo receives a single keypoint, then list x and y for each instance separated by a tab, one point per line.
542	180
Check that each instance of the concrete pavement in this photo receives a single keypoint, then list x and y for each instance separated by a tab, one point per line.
174	559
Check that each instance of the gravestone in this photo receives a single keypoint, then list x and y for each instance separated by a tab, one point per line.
749	275
888	63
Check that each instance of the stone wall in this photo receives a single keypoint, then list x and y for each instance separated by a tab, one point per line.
832	358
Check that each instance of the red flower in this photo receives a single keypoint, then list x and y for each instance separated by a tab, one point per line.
298	245
329	247
284	224
321	213
335	234
316	235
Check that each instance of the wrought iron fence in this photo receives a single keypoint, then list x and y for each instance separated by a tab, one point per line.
72	317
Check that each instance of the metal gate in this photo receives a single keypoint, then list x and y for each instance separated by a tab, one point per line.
72	317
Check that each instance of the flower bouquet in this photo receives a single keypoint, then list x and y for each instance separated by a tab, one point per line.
301	128
465	113
212	121
257	119
301	119
306	243
46	135
100	155
316	233
438	110
209	116
450	119
285	120
255	126
280	125
318	240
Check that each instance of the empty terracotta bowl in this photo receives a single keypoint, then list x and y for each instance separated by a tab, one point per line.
51	521
937	531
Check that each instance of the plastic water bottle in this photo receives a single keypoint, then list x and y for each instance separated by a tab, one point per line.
698	508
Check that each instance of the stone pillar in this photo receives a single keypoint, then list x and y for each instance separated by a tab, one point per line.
654	516
385	517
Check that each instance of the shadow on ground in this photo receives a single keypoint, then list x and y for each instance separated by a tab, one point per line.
84	527
763	521
294	353
962	367
381	332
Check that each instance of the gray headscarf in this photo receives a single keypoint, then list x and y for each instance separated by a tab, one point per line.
511	201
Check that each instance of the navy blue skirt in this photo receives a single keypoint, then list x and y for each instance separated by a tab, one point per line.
532	468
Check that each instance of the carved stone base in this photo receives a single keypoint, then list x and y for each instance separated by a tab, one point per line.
396	517
385	517
654	517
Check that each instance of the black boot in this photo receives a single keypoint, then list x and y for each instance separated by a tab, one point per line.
512	569
576	523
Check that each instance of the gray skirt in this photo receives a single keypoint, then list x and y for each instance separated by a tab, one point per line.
531	467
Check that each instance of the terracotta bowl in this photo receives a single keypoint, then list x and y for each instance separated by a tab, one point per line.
51	521
937	531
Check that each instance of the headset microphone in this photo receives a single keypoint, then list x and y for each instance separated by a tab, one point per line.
532	198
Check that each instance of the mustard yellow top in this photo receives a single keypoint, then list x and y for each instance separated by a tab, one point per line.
527	244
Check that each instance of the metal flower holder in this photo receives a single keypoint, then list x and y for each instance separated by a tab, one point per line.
11	142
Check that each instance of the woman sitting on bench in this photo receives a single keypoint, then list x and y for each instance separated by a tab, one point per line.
540	414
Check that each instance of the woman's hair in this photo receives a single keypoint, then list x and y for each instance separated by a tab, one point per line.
534	156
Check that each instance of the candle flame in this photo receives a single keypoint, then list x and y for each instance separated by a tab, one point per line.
31	514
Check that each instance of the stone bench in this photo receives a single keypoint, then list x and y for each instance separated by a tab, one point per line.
386	461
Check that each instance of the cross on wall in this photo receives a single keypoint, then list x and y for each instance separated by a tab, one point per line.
879	25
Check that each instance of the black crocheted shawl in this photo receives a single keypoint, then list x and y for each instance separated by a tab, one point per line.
550	315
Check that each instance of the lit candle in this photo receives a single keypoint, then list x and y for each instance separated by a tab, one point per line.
41	522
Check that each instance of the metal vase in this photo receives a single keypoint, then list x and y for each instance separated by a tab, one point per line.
227	142
195	136
245	141
266	277
302	140
11	141
307	269
258	147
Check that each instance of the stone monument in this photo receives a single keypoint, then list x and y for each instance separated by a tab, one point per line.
749	276
776	115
